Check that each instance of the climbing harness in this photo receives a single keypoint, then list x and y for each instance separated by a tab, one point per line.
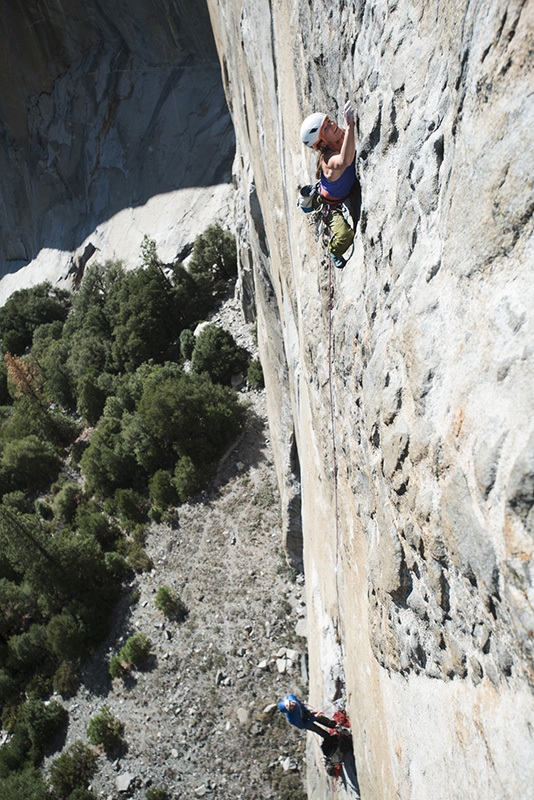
312	203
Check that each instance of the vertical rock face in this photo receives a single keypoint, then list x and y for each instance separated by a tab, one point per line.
401	390
103	107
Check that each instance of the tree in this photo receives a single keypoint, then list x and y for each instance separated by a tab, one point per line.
217	353
28	784
255	374
136	650
66	502
30	463
147	321
168	601
162	489
187	343
105	730
27	309
72	770
214	261
66	636
189	415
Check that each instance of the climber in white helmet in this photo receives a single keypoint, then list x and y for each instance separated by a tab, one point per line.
336	171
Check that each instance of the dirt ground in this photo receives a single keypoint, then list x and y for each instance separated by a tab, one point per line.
199	719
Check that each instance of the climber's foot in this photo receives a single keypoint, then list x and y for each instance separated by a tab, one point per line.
337	261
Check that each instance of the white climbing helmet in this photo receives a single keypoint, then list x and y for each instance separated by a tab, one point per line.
311	127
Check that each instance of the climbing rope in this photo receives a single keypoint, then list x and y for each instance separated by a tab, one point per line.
334	448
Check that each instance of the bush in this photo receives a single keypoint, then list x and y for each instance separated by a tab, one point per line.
66	502
214	262
43	720
217	353
66	636
73	770
131	507
105	730
188	479
82	794
136	650
187	344
116	566
138	559
162	489
255	374
26	785
28	650
8	688
30	463
168	602
157	793
117	669
66	679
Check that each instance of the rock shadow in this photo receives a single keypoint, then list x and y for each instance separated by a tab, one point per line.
349	776
245	453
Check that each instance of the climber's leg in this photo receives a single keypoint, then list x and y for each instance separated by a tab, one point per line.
342	233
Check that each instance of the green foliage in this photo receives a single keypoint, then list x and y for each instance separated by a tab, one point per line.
35	727
104	351
116	566
66	679
214	262
187	343
217	353
72	770
136	650
29	463
28	649
66	502
26	310
66	636
82	794
105	730
8	688
188	479
117	669
131	507
255	374
157	793
189	415
28	784
162	489
168	601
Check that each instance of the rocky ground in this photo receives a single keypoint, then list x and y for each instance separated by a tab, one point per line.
199	719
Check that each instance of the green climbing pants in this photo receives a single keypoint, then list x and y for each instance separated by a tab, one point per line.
342	233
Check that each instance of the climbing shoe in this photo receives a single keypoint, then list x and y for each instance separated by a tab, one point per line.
337	261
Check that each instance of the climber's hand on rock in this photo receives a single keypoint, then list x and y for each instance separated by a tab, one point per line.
348	113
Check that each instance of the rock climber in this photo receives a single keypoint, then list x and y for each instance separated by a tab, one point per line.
336	171
336	742
299	715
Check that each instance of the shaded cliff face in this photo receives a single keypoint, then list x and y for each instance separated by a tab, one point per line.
403	408
102	108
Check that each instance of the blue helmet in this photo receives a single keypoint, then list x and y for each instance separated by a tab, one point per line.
281	706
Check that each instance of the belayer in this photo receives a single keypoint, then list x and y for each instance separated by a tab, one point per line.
299	715
336	172
335	734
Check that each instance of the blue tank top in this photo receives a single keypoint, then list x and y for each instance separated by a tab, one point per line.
340	189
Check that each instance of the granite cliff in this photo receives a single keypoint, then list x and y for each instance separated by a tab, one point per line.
400	390
114	125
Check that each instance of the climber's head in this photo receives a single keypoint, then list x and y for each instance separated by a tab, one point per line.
310	130
319	130
287	704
